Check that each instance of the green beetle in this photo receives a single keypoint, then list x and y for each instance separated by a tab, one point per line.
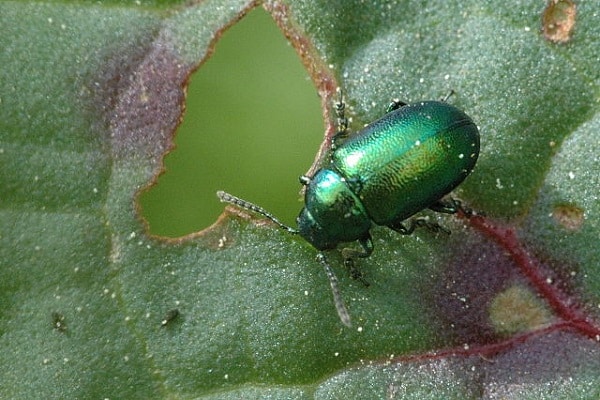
398	165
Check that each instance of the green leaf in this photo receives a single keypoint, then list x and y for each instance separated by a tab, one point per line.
95	307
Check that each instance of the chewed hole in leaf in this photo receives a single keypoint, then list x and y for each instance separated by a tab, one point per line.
252	125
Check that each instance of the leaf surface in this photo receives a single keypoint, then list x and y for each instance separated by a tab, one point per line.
505	307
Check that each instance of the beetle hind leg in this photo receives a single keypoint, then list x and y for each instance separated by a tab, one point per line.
452	206
415	223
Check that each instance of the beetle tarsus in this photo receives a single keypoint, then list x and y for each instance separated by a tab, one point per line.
454	206
447	96
355	272
415	223
349	254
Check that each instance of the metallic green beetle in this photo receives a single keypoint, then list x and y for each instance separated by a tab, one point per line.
402	163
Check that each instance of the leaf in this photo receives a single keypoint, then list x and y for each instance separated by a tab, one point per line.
94	307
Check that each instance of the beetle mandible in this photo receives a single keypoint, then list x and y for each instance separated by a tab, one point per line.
396	166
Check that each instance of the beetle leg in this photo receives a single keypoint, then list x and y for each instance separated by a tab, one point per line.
447	96
394	105
342	121
349	254
417	223
452	206
340	113
304	180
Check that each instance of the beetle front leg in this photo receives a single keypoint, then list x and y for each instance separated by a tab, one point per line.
349	254
394	105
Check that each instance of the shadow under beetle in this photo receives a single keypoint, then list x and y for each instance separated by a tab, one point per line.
398	165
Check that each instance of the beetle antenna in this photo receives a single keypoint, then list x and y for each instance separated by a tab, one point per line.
337	297
228	198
